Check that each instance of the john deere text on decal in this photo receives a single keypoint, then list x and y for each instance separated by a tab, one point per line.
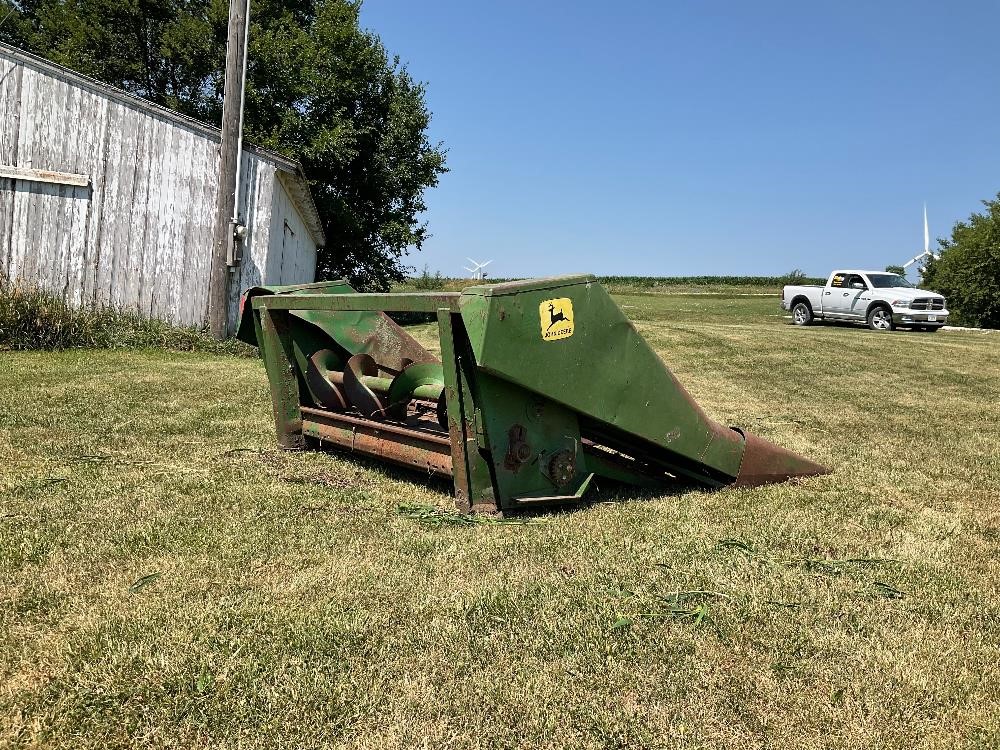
556	317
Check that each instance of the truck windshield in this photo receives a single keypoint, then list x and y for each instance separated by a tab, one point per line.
888	280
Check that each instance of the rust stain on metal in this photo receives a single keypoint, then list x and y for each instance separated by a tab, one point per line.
416	448
766	463
518	450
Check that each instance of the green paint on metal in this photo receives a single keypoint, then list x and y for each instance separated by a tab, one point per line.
419	380
355	322
276	345
530	434
453	404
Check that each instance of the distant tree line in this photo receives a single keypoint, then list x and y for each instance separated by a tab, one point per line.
319	90
427	280
792	277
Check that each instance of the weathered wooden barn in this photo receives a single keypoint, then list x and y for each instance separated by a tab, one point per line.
107	199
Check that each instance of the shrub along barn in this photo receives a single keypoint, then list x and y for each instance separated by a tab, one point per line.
107	199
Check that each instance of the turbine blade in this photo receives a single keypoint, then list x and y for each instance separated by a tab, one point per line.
927	236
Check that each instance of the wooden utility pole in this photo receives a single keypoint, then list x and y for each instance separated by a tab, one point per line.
223	250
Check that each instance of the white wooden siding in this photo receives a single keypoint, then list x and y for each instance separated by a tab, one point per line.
139	236
291	246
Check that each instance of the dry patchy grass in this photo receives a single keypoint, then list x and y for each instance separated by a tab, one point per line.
168	578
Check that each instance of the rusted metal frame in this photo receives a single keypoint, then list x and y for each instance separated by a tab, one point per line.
274	333
430	437
764	462
410	302
415	449
453	401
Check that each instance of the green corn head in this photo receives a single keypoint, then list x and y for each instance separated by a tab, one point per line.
542	387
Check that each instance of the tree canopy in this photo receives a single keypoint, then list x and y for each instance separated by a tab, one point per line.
968	269
319	89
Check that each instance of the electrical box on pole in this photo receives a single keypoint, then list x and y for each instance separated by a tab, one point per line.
228	231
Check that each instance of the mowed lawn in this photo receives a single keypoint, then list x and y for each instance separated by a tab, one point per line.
168	578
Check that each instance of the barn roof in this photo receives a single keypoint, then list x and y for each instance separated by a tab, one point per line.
292	175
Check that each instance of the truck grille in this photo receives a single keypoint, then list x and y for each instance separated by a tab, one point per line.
927	303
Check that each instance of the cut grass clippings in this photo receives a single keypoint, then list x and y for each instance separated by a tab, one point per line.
432	517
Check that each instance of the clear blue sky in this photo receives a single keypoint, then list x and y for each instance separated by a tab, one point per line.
695	137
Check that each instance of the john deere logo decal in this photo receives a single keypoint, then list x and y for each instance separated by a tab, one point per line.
556	316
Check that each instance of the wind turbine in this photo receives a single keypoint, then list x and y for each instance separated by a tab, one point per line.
478	269
927	246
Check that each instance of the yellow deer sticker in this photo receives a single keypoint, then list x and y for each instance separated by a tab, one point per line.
556	317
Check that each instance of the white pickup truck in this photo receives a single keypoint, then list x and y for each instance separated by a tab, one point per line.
880	299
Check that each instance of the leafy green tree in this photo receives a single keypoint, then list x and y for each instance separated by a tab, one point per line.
319	89
896	269
968	269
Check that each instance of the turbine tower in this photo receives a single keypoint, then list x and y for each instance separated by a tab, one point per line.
927	246
478	269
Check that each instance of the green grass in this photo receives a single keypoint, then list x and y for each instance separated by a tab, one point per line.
168	578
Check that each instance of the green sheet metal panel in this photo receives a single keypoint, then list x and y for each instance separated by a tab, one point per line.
356	331
567	339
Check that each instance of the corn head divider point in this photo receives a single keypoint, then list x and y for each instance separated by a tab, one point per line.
542	386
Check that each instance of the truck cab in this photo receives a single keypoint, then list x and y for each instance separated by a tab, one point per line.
879	299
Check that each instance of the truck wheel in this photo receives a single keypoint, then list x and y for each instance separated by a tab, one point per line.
880	319
802	314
